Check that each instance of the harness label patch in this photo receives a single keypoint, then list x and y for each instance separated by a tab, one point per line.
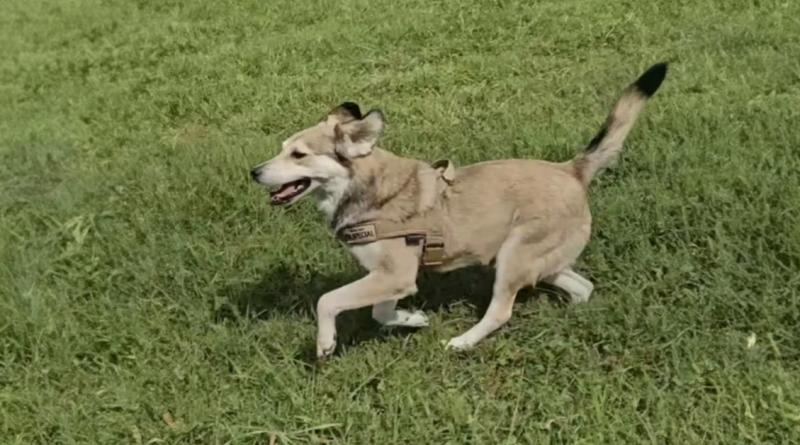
359	234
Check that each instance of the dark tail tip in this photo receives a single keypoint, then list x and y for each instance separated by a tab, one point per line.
649	82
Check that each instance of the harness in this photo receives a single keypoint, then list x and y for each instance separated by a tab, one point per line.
425	231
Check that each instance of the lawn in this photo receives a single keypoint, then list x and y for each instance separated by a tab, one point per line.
149	294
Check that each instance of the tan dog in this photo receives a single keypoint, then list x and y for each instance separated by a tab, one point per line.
530	218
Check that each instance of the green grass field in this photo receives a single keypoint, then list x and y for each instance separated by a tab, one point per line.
142	273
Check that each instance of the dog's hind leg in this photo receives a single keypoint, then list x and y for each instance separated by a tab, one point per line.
386	314
516	262
578	287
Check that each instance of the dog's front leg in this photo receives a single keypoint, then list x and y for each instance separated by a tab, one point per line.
377	287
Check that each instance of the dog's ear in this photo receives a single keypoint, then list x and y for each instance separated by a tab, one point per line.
358	138
346	112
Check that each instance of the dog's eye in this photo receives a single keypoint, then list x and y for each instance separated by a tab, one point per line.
298	155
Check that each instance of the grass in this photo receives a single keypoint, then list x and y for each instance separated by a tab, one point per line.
142	274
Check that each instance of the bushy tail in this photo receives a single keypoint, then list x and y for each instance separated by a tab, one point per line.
607	145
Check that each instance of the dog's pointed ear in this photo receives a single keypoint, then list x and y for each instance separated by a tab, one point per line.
358	138
346	112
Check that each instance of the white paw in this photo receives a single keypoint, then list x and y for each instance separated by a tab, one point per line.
579	298
459	344
416	319
582	295
325	348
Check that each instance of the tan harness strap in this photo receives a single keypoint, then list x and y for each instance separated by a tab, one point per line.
424	231
446	169
420	233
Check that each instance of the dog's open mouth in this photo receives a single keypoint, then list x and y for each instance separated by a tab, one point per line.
289	191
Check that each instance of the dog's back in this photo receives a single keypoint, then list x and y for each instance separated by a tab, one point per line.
490	199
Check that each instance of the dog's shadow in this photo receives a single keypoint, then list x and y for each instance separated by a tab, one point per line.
290	289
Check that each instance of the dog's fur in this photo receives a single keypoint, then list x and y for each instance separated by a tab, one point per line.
530	218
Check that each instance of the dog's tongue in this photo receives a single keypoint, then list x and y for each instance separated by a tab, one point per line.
286	191
289	191
284	194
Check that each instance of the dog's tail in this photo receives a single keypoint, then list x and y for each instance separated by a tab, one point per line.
607	145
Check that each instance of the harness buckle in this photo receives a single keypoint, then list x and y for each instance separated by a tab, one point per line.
414	240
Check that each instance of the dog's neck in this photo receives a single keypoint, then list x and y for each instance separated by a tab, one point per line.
382	186
329	195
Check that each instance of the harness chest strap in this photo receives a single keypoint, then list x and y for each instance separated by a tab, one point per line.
424	231
431	239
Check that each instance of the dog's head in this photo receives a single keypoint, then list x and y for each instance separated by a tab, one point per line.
320	154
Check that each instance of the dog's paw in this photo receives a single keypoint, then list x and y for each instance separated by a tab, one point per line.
325	349
582	295
459	344
416	319
579	298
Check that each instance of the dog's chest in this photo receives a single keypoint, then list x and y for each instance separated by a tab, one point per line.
368	255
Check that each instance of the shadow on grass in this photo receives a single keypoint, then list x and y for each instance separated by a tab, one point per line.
290	289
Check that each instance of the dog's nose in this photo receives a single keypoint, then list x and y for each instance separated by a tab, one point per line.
254	173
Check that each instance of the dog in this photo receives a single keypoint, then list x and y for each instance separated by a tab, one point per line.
528	218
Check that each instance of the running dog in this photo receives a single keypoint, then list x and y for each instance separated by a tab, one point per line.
529	218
